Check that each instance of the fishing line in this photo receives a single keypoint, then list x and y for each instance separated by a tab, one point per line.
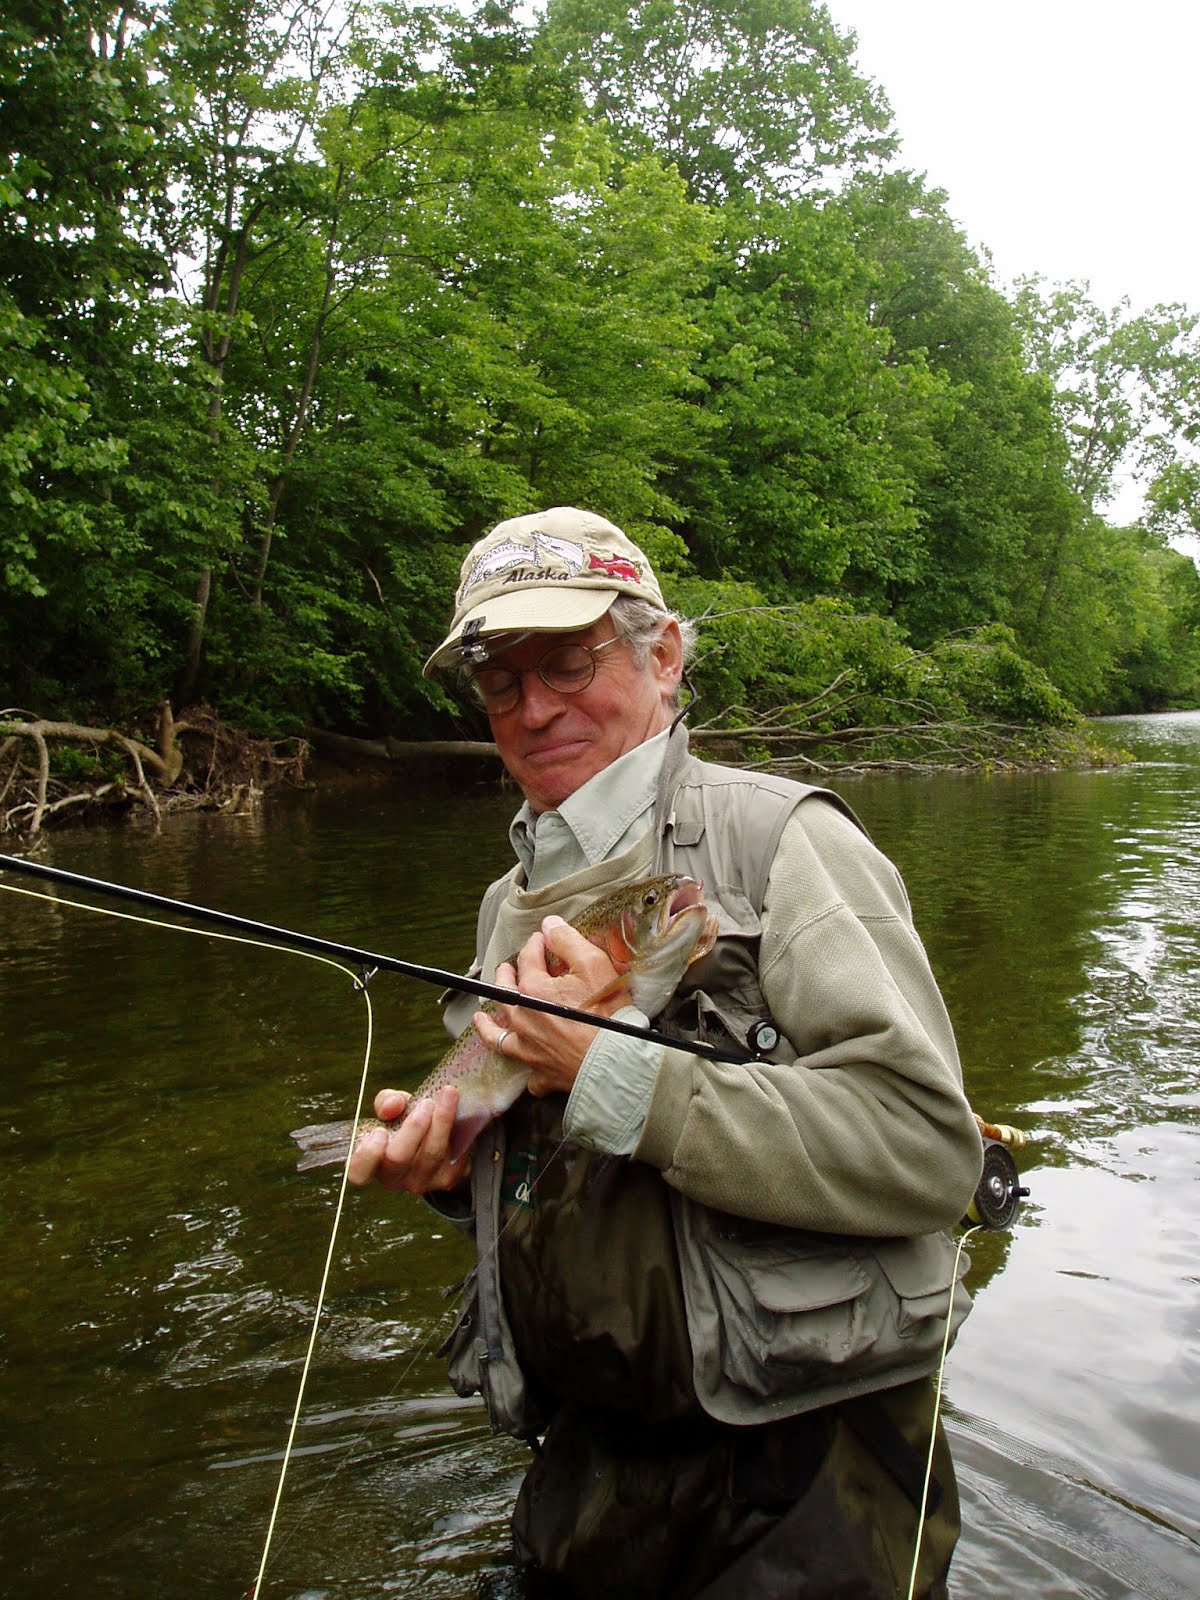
290	939
937	1406
360	981
348	1456
432	1334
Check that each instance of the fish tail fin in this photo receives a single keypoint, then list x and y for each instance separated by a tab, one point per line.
322	1144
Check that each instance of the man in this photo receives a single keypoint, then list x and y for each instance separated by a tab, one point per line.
710	1294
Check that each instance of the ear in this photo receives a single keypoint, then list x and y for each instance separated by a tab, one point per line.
667	657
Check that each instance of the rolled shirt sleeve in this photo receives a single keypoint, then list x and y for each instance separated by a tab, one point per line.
607	1105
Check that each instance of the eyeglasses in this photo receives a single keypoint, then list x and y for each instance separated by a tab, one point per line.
565	668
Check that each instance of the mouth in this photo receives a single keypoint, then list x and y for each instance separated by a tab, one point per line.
689	893
687	902
680	921
551	751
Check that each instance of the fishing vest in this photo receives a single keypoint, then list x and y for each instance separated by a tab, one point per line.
779	1320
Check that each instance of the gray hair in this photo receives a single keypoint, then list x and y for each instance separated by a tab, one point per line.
640	624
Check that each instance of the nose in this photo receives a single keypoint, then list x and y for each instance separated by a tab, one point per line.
539	703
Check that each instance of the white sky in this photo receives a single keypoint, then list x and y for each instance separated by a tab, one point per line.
1064	131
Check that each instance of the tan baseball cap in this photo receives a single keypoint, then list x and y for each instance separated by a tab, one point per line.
550	572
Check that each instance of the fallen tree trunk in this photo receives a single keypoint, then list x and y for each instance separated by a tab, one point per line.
41	733
342	747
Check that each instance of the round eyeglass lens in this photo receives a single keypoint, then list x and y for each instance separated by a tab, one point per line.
565	668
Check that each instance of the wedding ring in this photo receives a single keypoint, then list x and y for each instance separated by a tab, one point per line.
500	1041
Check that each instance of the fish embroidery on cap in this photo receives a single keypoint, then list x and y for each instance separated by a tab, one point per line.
615	567
517	553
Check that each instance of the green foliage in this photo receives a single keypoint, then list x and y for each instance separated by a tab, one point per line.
817	682
983	674
800	485
295	302
85	765
1124	385
737	95
81	180
1157	655
752	653
79	172
43	410
984	464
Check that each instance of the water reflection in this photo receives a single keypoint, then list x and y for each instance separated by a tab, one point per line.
162	1255
1062	913
1079	1011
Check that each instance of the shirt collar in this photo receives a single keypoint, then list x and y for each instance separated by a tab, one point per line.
586	829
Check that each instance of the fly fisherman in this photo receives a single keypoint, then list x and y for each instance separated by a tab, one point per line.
715	1293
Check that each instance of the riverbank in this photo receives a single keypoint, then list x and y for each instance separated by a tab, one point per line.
64	774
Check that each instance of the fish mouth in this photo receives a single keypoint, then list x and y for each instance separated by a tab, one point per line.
684	895
688	893
685	904
651	934
680	930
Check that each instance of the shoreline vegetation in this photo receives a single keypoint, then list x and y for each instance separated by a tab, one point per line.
64	781
972	703
298	300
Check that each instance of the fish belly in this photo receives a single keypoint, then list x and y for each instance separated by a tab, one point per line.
487	1085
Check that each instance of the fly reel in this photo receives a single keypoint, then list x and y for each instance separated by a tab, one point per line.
999	1193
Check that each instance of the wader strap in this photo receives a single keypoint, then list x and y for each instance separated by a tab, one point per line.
871	1425
487	1207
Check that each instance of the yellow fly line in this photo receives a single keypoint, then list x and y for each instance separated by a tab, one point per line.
361	986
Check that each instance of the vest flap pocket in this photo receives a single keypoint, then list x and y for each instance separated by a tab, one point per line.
696	1015
782	1320
786	1311
770	1274
920	1271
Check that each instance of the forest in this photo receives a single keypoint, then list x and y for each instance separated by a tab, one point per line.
298	298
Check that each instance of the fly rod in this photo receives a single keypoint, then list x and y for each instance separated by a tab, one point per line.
369	961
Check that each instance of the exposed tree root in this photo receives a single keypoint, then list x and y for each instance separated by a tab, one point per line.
195	763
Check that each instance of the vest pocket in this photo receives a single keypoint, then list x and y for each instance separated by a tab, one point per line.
793	1310
696	1015
460	1346
919	1272
787	1312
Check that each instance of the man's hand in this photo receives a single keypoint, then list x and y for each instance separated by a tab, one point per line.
415	1153
552	1046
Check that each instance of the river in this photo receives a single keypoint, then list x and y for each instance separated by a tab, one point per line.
162	1256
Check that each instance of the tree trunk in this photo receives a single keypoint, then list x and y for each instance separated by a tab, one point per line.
185	690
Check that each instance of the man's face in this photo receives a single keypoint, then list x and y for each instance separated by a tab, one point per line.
551	742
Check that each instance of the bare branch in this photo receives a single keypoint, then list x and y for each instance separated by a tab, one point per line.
238	765
43	780
81	734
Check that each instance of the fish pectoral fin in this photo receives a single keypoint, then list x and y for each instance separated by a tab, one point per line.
618	985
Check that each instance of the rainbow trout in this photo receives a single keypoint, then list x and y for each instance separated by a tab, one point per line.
651	932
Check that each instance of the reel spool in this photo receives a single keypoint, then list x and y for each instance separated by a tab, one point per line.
999	1193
